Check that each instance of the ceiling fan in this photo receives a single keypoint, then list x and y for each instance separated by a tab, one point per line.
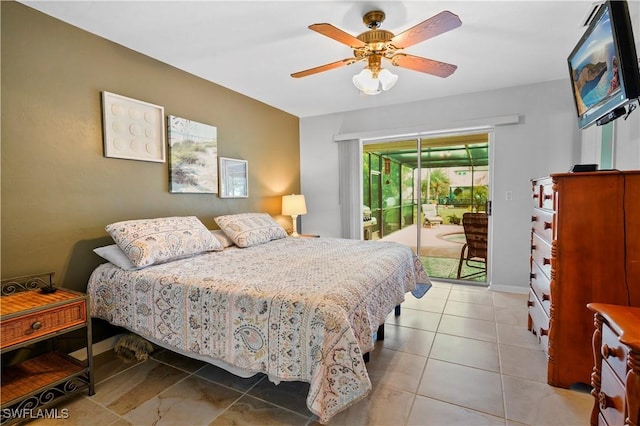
375	45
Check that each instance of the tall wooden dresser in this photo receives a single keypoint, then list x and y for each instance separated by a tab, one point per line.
585	247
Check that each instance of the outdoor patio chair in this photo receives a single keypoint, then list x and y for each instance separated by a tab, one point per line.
431	217
475	249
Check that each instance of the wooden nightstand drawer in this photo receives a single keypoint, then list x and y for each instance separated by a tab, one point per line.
27	327
611	397
614	352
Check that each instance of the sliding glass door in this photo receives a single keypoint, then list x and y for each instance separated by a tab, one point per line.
422	201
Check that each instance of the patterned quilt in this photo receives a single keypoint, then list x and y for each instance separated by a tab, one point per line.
302	309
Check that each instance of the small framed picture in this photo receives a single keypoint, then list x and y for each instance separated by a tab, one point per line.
132	129
234	178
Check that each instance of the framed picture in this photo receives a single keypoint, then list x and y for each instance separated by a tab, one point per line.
193	157
132	129
234	178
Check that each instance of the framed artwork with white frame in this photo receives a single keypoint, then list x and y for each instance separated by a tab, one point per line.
132	129
233	178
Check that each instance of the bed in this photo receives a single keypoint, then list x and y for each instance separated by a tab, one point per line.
295	309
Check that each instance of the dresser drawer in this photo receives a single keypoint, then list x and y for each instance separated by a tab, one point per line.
539	321
614	352
542	223
541	286
611	398
543	193
40	323
541	253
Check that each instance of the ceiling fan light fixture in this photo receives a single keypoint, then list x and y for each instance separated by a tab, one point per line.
366	83
387	79
370	85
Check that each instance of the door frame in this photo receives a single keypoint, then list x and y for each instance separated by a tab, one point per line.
490	131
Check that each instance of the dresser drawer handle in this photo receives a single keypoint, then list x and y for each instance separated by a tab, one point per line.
36	325
609	352
542	332
532	276
546	296
546	261
548	196
530	303
533	247
547	225
534	218
535	195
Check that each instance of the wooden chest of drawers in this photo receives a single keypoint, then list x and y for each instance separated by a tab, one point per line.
584	248
616	371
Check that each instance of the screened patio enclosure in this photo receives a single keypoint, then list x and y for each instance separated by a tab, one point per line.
451	175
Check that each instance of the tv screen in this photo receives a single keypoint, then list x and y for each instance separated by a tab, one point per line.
604	65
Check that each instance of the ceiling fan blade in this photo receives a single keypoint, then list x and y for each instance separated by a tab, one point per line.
325	67
437	24
428	66
337	34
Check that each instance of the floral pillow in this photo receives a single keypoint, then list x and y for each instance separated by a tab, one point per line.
250	229
150	241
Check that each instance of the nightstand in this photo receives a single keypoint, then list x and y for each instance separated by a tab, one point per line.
29	315
616	372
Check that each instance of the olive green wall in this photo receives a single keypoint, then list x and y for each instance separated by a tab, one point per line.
59	191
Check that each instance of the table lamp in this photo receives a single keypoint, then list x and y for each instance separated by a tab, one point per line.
293	205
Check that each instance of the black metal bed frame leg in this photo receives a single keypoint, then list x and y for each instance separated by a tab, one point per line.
380	333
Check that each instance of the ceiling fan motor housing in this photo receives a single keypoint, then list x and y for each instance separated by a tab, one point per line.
373	19
376	36
376	40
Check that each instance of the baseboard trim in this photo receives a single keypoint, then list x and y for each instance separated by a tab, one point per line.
97	347
509	288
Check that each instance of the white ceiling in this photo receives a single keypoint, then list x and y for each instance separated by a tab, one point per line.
252	47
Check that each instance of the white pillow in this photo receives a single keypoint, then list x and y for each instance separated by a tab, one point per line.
116	256
250	229
224	239
151	241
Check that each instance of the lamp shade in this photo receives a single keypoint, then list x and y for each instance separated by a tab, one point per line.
370	85
293	205
366	83
387	79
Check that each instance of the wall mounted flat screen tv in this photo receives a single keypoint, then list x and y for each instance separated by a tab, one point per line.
604	66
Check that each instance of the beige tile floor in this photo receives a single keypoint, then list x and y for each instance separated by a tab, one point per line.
461	355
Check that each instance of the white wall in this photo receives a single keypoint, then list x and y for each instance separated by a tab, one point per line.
626	143
546	140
